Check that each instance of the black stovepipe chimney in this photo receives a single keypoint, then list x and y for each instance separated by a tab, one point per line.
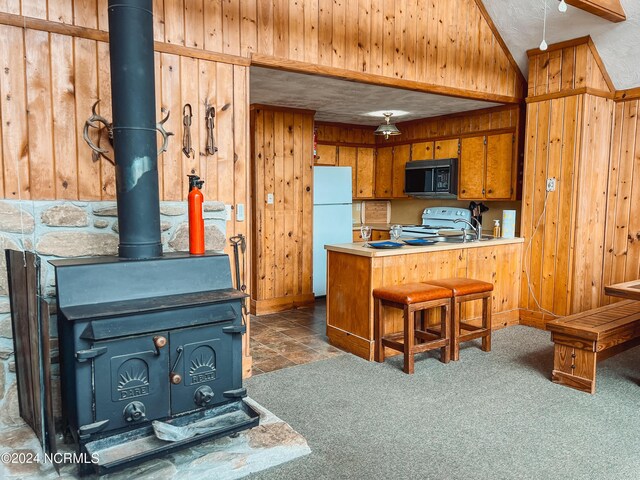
134	127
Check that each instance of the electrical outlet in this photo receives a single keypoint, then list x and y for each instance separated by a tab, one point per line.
269	198
551	184
227	210
240	212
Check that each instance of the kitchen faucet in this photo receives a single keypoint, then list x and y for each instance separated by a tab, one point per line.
477	230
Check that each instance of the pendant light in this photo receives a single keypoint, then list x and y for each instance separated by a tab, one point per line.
543	44
563	6
387	129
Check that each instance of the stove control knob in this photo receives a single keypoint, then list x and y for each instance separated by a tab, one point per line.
134	412
159	341
175	378
203	396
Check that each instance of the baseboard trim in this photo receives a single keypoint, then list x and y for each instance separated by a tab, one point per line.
275	305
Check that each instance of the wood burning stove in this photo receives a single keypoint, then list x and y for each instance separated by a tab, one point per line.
148	340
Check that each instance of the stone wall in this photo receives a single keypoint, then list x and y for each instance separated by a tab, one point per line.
74	229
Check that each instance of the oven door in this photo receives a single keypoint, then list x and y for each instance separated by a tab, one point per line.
130	381
202	367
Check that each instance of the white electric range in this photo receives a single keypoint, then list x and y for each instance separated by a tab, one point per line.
435	219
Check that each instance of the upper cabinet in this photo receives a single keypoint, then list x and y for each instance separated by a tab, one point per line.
348	157
362	163
486	167
446	148
422	151
384	169
401	155
326	155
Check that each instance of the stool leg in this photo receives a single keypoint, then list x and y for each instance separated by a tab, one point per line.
486	323
379	330
455	330
409	337
445	332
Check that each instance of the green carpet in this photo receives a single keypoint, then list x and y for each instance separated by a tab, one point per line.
489	416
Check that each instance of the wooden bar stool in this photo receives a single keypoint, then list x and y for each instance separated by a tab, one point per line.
412	298
466	290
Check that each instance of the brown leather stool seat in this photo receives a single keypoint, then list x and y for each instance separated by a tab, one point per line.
466	290
412	298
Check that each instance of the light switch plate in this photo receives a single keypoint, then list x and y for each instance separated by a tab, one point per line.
551	184
240	212
269	198
227	210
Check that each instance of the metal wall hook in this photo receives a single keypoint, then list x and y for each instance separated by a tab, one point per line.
186	134
209	117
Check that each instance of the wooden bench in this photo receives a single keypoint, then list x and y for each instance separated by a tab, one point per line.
584	338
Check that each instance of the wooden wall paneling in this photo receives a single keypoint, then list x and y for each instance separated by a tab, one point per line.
388	43
454	19
34	8
591	206
85	13
280	28
86	90
173	22
158	20
39	114
325	32
157	74
399	40
64	117
279	199
241	163
364	39
311	26
231	23
568	68
377	36
632	270
401	155
207	95
249	26
60	11
189	93
473	49
213	35
383	169
107	169
296	30
298	202
422	15
566	203
269	218
257	160
307	202
194	22
15	141
550	219
288	238
555	71
351	32
526	222
172	158
365	173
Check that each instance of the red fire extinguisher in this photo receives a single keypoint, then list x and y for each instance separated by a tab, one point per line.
196	220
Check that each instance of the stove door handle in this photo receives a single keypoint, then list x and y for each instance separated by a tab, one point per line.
84	355
235	329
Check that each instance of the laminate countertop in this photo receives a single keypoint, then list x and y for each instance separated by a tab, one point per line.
360	250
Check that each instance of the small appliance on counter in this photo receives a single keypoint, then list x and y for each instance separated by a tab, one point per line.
435	219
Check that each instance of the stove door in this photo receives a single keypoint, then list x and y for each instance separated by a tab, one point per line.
202	370
130	380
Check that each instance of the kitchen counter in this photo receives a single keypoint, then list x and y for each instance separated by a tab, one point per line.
354	271
359	249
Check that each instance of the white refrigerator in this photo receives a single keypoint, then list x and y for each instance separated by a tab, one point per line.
332	218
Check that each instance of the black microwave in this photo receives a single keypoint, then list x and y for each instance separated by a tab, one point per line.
432	178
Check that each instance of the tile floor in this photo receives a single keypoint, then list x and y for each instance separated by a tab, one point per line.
290	338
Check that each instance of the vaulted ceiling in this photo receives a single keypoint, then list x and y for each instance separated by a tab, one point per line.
520	25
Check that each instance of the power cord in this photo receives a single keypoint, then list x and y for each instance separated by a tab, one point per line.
528	249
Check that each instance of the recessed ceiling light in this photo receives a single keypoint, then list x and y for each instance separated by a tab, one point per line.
381	113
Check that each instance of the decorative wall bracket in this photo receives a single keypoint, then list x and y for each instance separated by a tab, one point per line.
210	116
95	119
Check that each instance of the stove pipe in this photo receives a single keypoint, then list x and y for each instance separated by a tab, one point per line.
134	127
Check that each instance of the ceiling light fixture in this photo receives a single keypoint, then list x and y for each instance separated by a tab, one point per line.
543	44
387	129
563	6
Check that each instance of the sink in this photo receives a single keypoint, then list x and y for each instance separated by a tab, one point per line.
458	239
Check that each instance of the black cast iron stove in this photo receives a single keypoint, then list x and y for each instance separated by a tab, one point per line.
157	339
146	338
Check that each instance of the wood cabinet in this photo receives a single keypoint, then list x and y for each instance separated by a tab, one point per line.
401	155
422	151
446	148
348	157
376	234
384	168
326	155
486	167
365	173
